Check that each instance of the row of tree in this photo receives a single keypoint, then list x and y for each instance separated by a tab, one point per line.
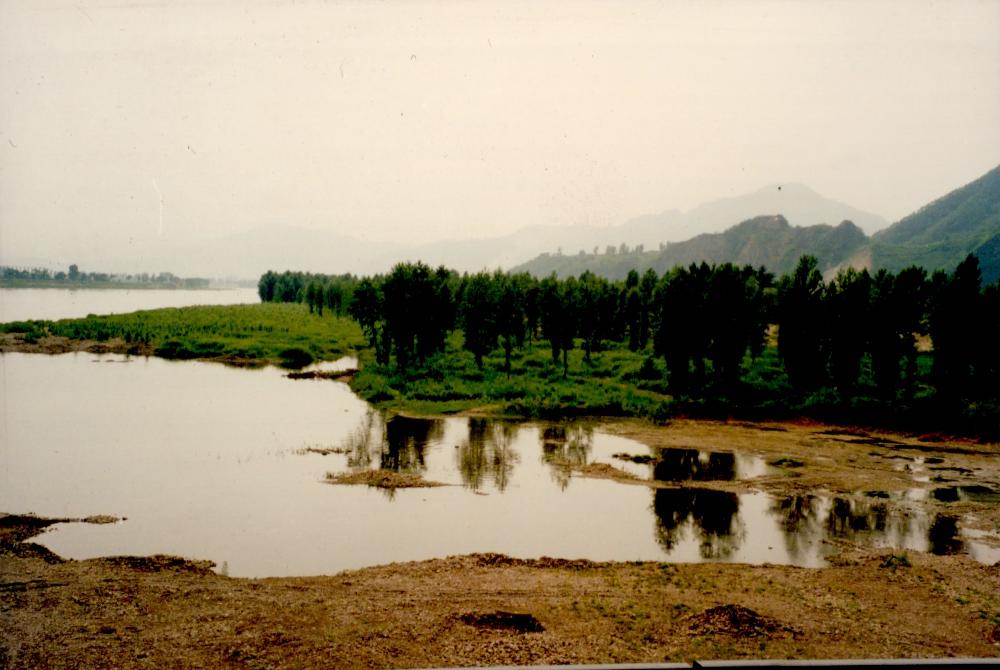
74	275
706	322
318	291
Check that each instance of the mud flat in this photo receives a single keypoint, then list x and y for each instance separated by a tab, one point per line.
488	609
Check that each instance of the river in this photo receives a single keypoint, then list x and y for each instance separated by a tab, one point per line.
20	304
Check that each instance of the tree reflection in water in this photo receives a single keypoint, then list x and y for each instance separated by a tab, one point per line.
678	465
397	443
565	447
799	518
360	453
487	454
712	516
405	442
848	517
943	535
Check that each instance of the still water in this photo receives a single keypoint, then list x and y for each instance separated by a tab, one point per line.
212	462
20	304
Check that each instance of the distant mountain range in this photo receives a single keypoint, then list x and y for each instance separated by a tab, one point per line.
779	223
765	240
938	236
249	253
282	247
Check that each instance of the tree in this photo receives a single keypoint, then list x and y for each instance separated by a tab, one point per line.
847	305
477	316
557	313
897	312
590	290
954	326
366	309
265	287
801	326
509	314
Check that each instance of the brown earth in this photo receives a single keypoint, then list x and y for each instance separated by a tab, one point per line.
52	344
381	479
488	609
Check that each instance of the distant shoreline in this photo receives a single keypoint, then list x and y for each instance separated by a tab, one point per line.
39	283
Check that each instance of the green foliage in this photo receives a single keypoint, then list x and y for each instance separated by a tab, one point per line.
895	561
267	333
941	234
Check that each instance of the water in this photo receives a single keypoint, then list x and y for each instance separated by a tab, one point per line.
20	304
209	462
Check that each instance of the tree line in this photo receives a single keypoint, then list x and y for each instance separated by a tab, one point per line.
857	334
74	275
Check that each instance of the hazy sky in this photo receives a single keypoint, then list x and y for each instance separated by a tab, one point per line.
148	119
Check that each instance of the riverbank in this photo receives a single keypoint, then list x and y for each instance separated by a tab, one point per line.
156	612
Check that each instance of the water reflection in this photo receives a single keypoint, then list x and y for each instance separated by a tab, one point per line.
487	456
849	517
711	517
131	456
800	518
397	443
678	465
943	535
565	447
406	440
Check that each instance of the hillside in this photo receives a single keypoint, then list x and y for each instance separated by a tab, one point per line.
766	240
940	234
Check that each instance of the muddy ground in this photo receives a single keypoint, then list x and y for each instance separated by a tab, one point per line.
808	457
488	609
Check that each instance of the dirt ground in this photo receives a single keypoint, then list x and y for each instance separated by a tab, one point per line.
488	609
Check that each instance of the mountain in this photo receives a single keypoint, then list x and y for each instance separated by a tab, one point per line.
798	204
941	234
937	236
765	240
249	253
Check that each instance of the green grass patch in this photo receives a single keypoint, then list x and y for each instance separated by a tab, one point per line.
280	334
536	387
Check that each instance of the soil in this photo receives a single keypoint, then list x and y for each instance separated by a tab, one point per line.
381	479
488	609
52	344
336	375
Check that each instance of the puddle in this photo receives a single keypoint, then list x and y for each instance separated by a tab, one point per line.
973	493
681	465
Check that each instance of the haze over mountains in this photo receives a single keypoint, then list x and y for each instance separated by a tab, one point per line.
938	236
772	226
279	247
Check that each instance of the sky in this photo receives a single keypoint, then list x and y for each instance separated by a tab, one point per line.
136	121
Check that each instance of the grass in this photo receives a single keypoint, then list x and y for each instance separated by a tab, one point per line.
450	382
284	334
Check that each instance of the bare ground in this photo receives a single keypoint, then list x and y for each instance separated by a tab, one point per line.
489	610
